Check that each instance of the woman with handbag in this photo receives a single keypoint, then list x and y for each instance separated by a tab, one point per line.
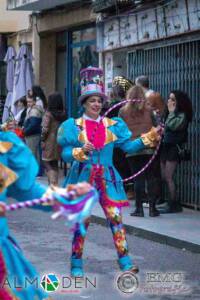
179	115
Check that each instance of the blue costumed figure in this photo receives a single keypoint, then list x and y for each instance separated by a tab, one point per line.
18	169
88	142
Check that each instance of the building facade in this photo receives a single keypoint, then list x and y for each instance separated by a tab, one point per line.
65	35
160	39
129	37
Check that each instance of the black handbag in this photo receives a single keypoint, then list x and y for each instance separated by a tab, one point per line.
183	153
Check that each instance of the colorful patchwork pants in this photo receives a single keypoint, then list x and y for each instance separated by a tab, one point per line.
114	218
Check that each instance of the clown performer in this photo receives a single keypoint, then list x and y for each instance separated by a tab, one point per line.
91	152
18	169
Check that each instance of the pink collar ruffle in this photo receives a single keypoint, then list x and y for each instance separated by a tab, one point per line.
96	133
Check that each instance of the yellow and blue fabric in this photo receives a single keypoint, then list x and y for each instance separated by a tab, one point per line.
17	178
71	137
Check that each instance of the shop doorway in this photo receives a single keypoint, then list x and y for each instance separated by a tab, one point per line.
81	54
76	49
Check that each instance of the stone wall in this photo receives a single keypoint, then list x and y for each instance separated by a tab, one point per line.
47	77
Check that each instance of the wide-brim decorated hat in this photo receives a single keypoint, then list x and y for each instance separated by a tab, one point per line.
92	84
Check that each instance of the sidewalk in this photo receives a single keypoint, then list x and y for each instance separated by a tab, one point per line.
181	230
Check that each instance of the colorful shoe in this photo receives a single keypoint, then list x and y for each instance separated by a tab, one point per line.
126	264
77	267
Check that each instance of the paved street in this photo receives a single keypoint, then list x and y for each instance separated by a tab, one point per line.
47	245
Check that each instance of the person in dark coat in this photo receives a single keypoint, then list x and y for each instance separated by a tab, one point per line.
32	126
52	119
179	115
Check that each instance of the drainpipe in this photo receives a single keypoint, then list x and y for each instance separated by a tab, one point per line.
36	49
